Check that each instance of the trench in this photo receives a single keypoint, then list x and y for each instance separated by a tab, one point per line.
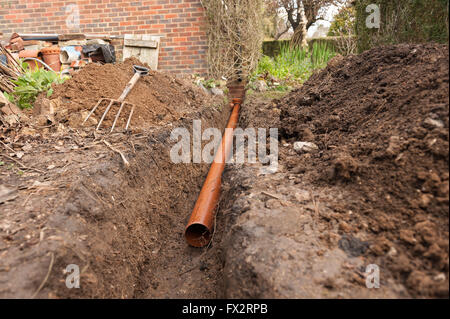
200	276
146	254
171	268
123	226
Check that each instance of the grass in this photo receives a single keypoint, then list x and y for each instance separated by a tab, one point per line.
292	66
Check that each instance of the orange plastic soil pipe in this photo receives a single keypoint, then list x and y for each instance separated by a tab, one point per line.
201	224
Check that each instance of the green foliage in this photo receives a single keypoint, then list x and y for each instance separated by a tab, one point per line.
293	65
31	83
321	53
209	84
403	21
343	23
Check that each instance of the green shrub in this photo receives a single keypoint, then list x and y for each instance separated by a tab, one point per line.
31	83
343	23
403	21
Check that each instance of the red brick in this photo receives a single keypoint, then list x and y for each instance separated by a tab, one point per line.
180	22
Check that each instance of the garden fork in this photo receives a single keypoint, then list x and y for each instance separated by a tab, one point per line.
138	72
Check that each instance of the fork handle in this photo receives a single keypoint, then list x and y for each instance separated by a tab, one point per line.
129	86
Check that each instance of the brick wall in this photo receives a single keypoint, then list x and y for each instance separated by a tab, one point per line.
180	22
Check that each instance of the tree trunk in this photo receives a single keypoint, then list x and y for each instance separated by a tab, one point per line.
300	33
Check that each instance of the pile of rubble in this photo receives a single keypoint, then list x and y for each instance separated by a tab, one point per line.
61	53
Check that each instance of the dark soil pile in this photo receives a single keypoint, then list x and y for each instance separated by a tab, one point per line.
157	96
380	120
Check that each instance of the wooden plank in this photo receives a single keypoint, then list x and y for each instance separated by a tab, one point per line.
127	50
147	55
141	43
136	51
71	36
146	52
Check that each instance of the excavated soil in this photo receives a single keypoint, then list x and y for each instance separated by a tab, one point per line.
158	97
376	189
380	120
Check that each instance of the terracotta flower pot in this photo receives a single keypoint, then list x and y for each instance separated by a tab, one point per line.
31	54
51	57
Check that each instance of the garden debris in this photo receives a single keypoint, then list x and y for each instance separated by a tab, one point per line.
10	109
3	100
10	70
32	47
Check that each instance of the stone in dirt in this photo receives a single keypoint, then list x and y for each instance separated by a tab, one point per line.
261	86
217	91
7	193
305	147
434	123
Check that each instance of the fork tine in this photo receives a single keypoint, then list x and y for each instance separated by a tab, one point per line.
117	116
93	110
104	114
129	118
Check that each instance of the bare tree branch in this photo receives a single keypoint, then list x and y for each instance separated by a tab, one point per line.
311	13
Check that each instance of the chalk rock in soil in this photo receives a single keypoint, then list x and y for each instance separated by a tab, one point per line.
261	86
7	194
217	91
3	100
203	88
431	123
305	147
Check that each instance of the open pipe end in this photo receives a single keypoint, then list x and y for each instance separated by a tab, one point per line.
198	235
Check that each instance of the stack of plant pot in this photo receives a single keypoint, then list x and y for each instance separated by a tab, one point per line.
51	57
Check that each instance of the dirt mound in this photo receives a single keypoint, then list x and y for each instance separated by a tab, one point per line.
380	120
157	96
